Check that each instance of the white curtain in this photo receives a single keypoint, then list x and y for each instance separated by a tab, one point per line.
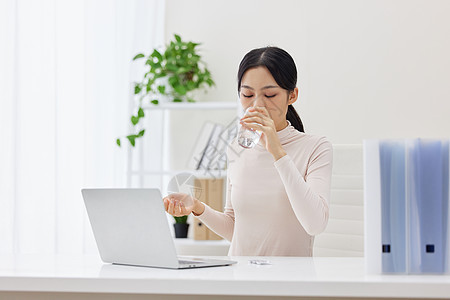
65	73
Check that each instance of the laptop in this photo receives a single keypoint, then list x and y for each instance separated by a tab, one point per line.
131	228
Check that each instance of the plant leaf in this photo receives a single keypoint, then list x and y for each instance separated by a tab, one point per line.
160	75
195	58
177	100
178	38
173	80
141	113
137	89
155	67
141	133
190	85
157	55
118	142
180	89
171	67
155	102
134	120
182	219
140	55
162	89
182	70
132	140
192	45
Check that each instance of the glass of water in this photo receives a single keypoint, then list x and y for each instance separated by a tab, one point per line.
248	137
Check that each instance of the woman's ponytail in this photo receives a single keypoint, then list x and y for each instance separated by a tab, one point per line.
294	118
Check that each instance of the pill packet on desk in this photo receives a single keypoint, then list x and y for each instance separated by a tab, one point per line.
259	262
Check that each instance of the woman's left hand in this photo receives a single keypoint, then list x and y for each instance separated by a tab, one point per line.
258	118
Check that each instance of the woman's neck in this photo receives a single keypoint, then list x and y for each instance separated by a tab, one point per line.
283	125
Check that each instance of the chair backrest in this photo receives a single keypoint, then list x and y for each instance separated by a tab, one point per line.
344	235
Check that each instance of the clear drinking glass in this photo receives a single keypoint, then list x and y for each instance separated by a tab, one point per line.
248	138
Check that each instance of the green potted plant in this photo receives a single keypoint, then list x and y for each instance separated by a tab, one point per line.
181	227
174	73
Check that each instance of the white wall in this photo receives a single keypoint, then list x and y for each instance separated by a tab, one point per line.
366	68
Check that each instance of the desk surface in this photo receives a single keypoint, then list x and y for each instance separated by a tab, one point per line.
286	276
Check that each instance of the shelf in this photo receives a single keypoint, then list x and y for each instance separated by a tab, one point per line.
197	173
191	105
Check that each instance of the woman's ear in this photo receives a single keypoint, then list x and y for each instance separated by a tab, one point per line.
293	96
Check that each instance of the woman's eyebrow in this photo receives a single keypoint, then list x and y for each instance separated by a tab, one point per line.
266	87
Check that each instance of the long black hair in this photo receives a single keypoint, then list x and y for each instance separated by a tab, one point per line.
282	67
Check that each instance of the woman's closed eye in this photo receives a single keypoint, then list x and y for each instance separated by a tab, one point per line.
267	96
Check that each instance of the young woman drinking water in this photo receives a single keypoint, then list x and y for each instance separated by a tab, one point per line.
277	196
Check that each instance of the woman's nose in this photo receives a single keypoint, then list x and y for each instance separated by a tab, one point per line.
258	102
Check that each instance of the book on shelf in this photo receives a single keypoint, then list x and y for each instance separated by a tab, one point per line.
200	145
210	147
211	151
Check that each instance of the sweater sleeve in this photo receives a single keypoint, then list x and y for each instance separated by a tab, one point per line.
222	223
309	196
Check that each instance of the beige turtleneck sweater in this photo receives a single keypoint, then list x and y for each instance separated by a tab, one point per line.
274	208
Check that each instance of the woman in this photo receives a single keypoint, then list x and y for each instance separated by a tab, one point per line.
278	191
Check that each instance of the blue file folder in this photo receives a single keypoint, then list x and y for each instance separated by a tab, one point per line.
445	200
428	198
393	206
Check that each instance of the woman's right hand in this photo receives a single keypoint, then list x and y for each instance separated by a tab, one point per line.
179	204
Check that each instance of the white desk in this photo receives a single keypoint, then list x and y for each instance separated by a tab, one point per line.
206	248
65	277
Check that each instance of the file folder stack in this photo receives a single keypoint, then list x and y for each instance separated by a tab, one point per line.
406	198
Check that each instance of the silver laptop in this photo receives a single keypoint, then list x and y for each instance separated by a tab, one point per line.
131	228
